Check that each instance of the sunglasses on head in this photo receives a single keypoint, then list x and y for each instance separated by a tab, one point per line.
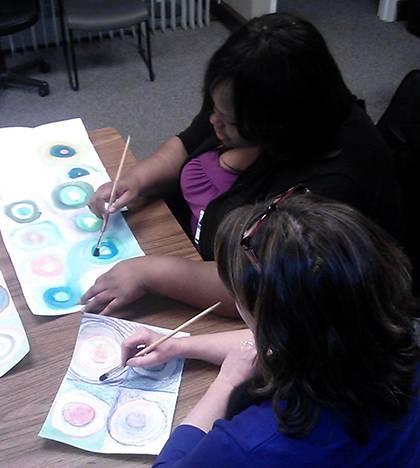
256	224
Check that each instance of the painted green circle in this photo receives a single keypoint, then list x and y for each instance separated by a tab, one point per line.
72	195
88	222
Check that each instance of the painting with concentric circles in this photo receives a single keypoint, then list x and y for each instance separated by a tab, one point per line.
47	176
130	412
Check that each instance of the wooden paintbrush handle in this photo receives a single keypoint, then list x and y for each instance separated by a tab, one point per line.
161	340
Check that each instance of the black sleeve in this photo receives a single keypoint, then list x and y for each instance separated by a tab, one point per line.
200	128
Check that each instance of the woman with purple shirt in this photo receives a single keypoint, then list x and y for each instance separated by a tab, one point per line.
276	112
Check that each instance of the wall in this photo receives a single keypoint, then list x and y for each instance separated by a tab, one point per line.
251	8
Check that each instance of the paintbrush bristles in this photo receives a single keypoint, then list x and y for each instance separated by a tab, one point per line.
96	251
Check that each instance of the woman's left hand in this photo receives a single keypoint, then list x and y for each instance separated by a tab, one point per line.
239	364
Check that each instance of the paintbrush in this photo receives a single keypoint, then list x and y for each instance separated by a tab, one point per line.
111	199
161	340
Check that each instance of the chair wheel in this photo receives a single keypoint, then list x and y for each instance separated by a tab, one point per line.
44	67
44	90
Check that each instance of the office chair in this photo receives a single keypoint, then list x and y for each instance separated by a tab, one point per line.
400	126
101	15
15	16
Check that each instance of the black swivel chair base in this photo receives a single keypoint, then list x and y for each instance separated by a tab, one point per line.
11	77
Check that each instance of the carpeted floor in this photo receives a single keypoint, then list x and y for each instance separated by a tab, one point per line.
116	92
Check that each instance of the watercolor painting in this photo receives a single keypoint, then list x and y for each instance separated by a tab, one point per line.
46	179
131	412
14	345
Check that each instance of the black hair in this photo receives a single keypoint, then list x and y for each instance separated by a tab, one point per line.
288	93
332	307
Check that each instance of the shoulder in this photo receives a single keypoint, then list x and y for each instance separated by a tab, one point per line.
252	427
254	433
359	132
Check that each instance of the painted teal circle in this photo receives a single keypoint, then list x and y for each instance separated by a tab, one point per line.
4	298
77	172
107	250
88	222
62	297
62	151
24	211
72	195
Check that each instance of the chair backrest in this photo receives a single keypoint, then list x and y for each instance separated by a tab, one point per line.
400	126
17	15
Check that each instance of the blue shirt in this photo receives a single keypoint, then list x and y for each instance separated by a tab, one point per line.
251	439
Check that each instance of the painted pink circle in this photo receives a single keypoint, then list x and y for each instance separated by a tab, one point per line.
34	237
78	414
47	266
100	353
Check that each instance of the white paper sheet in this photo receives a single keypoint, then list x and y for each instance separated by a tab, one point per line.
131	412
47	175
13	341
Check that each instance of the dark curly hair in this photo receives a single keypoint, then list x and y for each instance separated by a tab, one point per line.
332	307
288	93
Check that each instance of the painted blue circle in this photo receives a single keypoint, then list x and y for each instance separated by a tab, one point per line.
77	172
107	250
4	298
62	151
61	297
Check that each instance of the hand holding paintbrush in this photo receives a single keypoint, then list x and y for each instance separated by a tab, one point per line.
148	349
111	199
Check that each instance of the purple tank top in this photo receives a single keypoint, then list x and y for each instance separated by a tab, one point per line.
203	180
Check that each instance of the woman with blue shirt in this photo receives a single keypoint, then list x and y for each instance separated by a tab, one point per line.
325	376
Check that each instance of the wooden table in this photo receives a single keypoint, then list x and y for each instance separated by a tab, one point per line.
28	390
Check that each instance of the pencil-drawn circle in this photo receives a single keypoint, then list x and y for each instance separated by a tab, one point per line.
137	422
78	413
4	298
71	195
61	297
62	151
98	349
47	265
7	343
11	340
88	222
36	236
160	372
77	172
23	211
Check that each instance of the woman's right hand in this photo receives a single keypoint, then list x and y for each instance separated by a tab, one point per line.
127	190
144	336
